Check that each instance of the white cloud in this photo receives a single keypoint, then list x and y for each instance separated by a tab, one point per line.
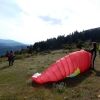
29	21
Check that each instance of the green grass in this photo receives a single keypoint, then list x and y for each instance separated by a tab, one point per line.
15	81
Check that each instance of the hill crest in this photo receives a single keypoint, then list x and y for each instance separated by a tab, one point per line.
8	42
7	45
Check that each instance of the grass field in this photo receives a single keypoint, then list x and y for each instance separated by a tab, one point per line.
15	81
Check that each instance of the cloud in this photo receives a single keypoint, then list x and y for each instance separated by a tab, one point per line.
9	9
30	21
9	17
50	20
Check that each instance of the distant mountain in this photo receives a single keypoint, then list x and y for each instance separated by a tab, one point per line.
7	45
4	42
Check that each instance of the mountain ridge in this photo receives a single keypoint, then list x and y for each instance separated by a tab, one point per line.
8	42
7	45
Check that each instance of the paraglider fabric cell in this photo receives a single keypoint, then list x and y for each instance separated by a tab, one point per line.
69	66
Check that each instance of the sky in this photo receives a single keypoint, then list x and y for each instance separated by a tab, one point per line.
30	21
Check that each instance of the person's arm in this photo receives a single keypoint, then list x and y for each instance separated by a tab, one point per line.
92	50
87	50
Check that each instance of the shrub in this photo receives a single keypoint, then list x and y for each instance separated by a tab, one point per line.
19	57
80	44
60	87
27	55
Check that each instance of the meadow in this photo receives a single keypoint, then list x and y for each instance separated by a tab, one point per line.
15	83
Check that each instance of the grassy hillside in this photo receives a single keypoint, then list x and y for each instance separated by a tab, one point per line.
15	81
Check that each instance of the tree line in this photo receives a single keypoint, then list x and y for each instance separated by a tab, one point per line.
73	40
62	41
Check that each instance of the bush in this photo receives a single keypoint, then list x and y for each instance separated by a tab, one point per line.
27	55
80	44
19	57
60	87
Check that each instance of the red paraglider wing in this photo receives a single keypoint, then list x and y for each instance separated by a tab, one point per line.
65	67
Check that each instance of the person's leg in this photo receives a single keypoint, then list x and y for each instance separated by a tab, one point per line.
9	62
92	61
12	60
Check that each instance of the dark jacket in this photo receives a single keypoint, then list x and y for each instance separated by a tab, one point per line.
93	51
